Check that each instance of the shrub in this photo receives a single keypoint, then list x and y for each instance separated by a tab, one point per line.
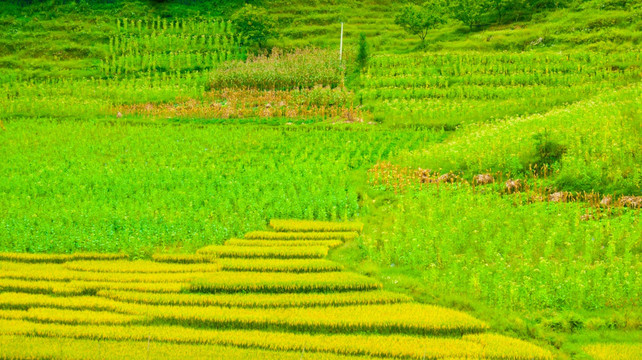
254	24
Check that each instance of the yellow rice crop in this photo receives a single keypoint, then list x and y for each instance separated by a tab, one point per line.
58	258
273	235
229	282
249	242
182	258
72	317
280	265
307	225
504	347
11	300
258	300
38	287
95	286
69	275
29	347
393	318
620	351
139	266
277	252
84	287
398	346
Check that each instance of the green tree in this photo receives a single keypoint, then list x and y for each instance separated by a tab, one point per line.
470	12
501	7
418	20
254	24
363	52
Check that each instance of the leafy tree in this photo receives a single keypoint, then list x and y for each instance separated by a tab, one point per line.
363	52
418	20
470	12
254	24
501	7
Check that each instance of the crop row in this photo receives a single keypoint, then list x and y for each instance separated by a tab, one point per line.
279	265
259	300
170	43
72	317
109	300
146	271
501	64
57	258
139	266
70	347
84	287
24	301
406	318
479	92
274	235
182	258
173	61
445	81
390	318
253	104
278	252
218	282
233	282
179	26
478	346
269	265
281	243
39	287
62	274
322	226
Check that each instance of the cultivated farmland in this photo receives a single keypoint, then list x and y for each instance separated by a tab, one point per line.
173	304
235	180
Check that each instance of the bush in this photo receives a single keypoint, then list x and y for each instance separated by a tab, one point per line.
254	24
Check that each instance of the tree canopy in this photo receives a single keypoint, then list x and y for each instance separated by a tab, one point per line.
254	24
418	20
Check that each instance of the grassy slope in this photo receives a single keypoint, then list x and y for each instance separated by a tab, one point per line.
69	40
317	23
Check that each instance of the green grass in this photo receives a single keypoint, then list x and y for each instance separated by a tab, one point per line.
593	145
581	25
508	253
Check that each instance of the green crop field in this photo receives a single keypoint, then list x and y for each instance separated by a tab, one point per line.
241	180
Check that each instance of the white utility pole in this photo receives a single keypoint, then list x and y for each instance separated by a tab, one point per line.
341	45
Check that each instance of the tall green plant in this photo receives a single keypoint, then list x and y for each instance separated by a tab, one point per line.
363	54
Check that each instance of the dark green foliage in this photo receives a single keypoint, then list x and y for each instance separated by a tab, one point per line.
470	12
548	151
363	54
254	24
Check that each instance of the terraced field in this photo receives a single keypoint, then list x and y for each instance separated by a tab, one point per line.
269	295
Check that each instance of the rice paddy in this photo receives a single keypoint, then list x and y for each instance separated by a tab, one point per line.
281	305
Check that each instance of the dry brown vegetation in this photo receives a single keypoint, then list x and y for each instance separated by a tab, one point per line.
317	103
400	179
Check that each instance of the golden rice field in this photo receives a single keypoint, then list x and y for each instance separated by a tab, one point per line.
271	295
